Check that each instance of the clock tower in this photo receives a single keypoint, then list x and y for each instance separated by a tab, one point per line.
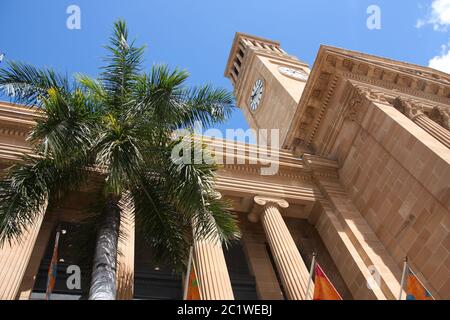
268	82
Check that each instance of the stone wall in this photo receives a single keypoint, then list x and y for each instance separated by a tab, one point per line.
399	178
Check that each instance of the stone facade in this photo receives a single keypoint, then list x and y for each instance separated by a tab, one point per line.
363	179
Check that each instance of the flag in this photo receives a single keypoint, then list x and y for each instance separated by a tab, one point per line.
414	288
52	270
323	288
193	291
191	288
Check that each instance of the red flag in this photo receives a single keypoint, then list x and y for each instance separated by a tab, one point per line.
323	288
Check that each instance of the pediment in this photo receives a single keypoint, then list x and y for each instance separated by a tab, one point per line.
334	67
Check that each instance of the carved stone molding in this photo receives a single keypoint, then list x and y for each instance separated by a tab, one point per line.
385	79
353	105
441	116
435	122
355	100
8	131
309	121
412	109
263	202
373	94
408	108
291	173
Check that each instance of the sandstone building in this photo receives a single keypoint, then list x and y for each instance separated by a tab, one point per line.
363	180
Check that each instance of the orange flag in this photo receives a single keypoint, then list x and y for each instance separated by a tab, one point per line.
323	288
193	292
414	288
53	269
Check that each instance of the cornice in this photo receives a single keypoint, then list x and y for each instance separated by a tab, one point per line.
432	98
13	130
19	113
12	153
331	87
388	97
398	67
321	167
244	41
241	186
334	65
235	46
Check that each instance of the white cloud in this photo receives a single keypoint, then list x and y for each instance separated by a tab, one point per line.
420	23
441	62
438	17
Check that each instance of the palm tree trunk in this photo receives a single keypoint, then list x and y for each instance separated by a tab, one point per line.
103	280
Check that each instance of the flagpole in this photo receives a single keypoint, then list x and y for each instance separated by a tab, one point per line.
402	282
311	272
48	292
188	274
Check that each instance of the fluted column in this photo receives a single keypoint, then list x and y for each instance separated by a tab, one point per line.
291	267
41	243
415	112
212	271
125	255
14	260
434	129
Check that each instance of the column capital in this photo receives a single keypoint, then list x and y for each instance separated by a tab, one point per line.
441	116
409	108
263	202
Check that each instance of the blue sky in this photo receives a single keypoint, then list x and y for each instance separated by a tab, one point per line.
196	35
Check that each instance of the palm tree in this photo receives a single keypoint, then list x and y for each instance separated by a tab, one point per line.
119	127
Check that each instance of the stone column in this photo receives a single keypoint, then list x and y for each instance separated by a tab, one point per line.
434	129
292	269
416	114
212	272
42	240
125	255
14	260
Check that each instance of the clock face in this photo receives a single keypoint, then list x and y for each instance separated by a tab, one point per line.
294	73
256	95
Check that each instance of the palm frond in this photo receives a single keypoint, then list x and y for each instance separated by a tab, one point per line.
94	91
164	229
156	96
23	194
118	150
188	178
29	85
162	97
206	105
216	221
190	188
69	127
123	65
26	188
